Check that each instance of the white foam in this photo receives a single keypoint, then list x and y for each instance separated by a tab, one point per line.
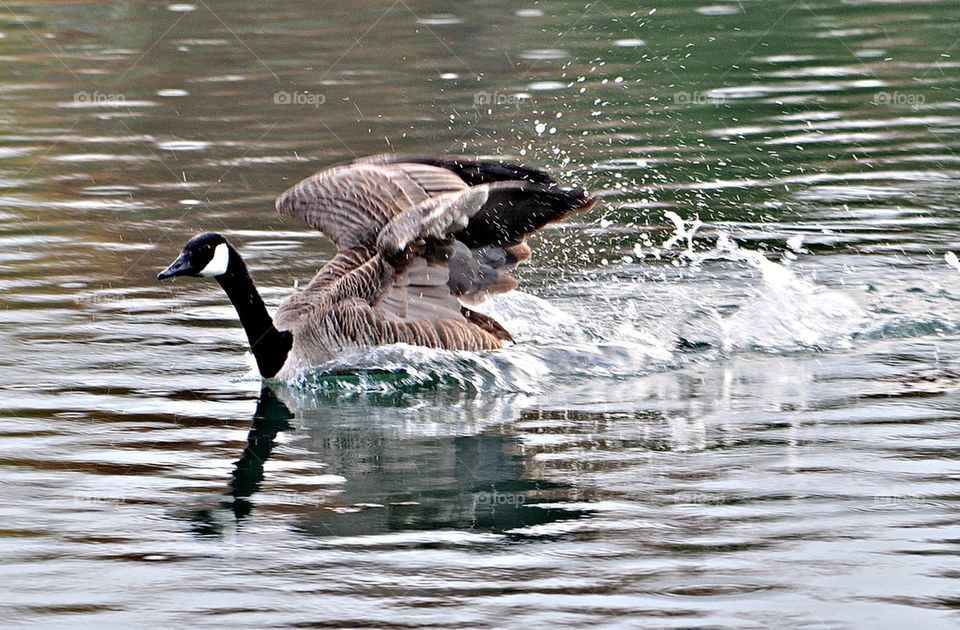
530	318
787	311
951	259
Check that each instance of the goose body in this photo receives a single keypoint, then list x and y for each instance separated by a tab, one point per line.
419	239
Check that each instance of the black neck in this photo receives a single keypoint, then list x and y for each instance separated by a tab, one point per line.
269	345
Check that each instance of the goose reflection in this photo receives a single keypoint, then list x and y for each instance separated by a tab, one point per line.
270	418
391	462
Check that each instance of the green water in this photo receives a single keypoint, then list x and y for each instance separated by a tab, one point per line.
727	435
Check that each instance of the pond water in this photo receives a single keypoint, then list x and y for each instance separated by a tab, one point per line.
733	403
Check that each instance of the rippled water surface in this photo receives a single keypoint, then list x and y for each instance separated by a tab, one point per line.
735	398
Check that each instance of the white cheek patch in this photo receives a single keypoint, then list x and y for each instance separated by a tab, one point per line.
218	264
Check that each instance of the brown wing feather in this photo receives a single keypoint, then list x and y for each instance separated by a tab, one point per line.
350	204
435	218
376	304
380	274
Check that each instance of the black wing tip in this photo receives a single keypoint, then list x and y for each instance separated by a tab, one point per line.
564	201
475	172
580	200
516	209
472	170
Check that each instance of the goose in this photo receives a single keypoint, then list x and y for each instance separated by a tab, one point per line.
420	239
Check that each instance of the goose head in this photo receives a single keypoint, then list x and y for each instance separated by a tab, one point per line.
206	255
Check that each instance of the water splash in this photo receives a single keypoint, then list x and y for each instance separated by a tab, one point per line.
531	319
402	367
952	260
681	233
786	312
552	346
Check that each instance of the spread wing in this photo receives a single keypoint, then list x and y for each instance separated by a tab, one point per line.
351	203
417	236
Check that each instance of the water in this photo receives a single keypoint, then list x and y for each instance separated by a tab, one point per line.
747	424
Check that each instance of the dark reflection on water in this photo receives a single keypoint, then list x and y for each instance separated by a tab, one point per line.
270	418
472	482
